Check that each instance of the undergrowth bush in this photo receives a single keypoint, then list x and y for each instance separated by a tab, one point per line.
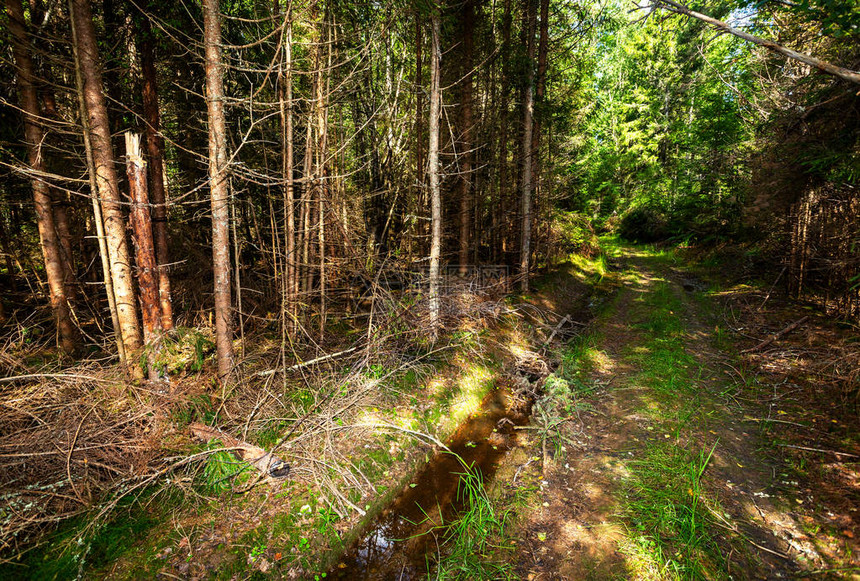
183	350
572	233
222	471
694	219
645	224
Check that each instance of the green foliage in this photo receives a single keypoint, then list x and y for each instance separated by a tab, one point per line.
573	234
559	403
837	18
271	433
198	408
222	471
666	134
182	350
645	224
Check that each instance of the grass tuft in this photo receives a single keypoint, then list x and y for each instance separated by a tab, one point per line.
668	521
473	545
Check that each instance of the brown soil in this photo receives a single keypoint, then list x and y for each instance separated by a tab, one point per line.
792	513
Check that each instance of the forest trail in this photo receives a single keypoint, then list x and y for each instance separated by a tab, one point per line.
667	466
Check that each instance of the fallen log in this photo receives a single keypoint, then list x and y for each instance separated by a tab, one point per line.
298	366
266	462
555	332
777	335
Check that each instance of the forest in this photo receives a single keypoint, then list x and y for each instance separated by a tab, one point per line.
407	289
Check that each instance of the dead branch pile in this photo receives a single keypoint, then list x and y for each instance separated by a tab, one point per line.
786	346
65	438
77	441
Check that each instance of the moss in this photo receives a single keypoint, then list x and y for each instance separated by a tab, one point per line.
79	545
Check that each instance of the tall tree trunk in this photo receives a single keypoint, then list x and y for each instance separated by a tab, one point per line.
106	178
433	172
321	173
147	267
540	82
60	205
306	215
285	84
420	229
155	155
219	189
61	202
7	256
465	178
540	93
98	218
51	244
504	195
528	117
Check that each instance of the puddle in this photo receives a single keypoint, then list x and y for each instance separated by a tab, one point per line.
403	539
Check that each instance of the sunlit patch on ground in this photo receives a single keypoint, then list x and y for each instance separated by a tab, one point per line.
473	386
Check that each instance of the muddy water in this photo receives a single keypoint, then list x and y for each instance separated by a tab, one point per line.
403	538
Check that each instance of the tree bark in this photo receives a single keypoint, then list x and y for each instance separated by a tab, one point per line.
155	158
465	181
306	213
420	228
98	218
49	240
60	205
540	94
106	178
433	173
147	267
285	84
503	231
219	189
321	170
528	117
7	256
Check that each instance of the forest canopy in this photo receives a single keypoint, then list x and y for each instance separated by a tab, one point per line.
633	117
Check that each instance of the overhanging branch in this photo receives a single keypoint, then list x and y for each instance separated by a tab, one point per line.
841	72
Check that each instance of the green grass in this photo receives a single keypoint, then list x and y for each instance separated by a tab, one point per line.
664	507
671	534
661	357
79	545
578	356
590	270
473	546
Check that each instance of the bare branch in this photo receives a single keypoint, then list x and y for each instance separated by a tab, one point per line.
841	72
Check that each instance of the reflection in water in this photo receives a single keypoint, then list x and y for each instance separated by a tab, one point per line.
403	539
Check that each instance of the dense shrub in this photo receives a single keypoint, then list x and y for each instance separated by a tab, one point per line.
572	233
693	220
645	224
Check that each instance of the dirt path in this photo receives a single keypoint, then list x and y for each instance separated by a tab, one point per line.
663	468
